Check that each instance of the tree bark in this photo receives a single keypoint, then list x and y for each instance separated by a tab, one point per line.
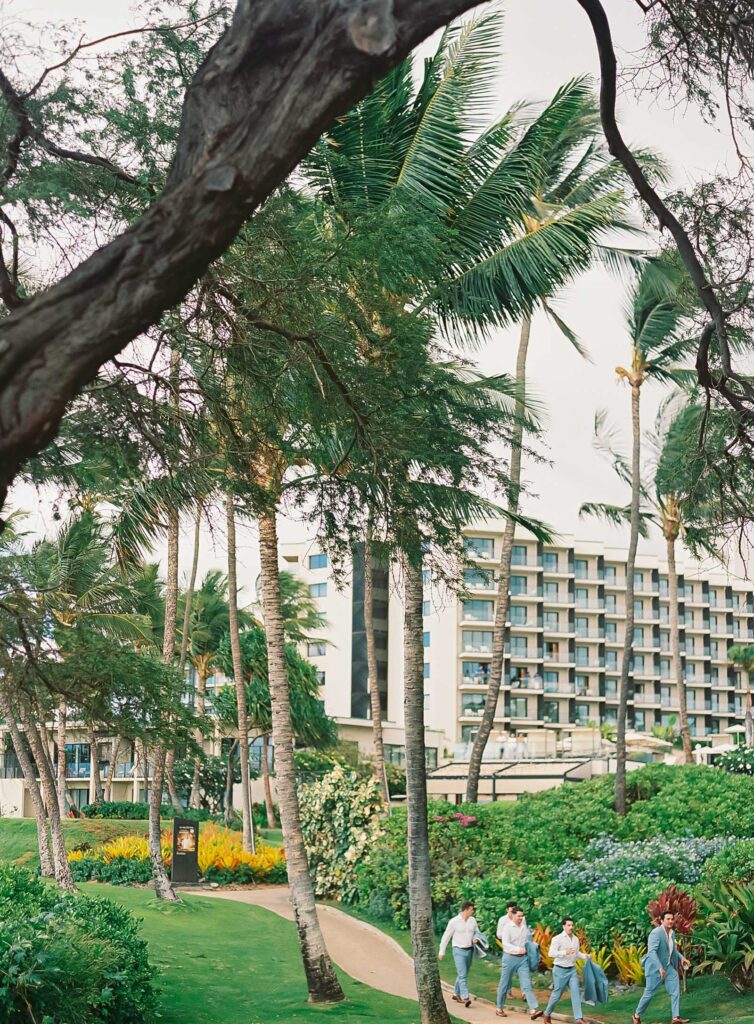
95	781
63	876
235	647
504	576
426	968
114	755
628	641
229	782
190	590
675	649
175	800
373	679
269	805
62	786
47	867
201	704
321	979
279	75
749	714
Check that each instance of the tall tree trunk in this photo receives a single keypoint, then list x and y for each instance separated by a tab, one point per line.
175	800
47	867
235	648
504	575
426	968
229	782
270	807
63	875
201	705
62	786
162	887
114	755
139	760
321	979
95	780
373	678
675	649
749	714
628	642
190	590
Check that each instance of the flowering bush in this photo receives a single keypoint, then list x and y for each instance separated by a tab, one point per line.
340	818
739	762
607	861
735	863
222	859
459	818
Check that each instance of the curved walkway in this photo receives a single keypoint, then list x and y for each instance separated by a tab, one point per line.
363	951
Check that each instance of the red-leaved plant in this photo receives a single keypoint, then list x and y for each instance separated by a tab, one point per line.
678	902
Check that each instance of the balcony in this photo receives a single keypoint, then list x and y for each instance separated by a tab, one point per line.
590	603
562	688
565	598
590	663
646	699
590	634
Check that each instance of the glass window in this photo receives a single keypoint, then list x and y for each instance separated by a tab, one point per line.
425	638
611	716
550	590
476	671
519	707
611	688
519	646
518	555
638	663
639	721
611	659
395	754
518	584
477	640
690	645
611	630
426	607
321	678
582	655
582	597
639	579
478	579
481	547
472	703
714	674
610	573
550	561
550	710
482	611
582	713
639	635
426	670
318	590
318	561
664	587
582	685
639	607
581	567
665	668
430	758
582	625
315	649
611	603
551	620
518	614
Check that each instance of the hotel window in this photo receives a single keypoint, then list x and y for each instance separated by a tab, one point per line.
519	646
611	689
426	577
690	645
518	614
518	584
610	574
611	716
472	703
476	671
639	721
582	597
550	561
639	607
550	711
518	555
611	631
481	547
551	620
321	678
550	591
611	660
664	587
638	663
318	561
315	649
519	707
478	579
582	655
425	639
582	713
426	607
639	635
582	625
639	580
552	650
581	568
665	668
665	641
481	611
426	670
479	640
317	590
582	685
551	680
611	603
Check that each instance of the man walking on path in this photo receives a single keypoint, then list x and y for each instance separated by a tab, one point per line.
661	965
514	935
565	951
462	930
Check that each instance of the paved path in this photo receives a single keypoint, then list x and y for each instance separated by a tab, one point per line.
363	952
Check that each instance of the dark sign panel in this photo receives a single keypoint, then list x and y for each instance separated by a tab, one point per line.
185	851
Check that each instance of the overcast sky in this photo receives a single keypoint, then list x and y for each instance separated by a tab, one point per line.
546	42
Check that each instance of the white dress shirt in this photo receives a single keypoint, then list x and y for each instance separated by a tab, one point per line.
559	950
503	920
461	931
513	937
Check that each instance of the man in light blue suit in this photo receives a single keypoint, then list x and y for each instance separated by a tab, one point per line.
661	966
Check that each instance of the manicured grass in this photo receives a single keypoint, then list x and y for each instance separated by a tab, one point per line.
229	963
272	836
18	836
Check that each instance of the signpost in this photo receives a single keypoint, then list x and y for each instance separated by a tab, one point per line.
185	851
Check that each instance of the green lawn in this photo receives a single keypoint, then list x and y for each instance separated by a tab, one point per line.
18	836
228	963
272	836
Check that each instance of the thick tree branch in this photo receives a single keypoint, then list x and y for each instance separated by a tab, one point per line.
276	79
742	398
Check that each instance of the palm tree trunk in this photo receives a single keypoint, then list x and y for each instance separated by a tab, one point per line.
61	777
229	782
235	647
426	969
63	876
321	979
190	590
675	649
47	867
504	574
269	806
749	715
201	704
162	887
628	642
373	680
175	800
114	755
95	781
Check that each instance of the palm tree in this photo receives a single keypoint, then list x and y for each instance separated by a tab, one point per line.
742	656
655	318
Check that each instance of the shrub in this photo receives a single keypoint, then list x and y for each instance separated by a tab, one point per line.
69	959
725	933
738	762
678	903
340	819
734	863
627	963
126	810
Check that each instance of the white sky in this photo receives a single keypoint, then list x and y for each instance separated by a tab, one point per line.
546	42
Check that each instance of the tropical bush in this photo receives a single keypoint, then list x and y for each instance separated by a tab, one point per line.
69	959
734	863
677	902
340	819
606	861
627	962
739	762
131	811
222	859
725	933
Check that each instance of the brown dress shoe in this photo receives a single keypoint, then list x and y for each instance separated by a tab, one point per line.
636	1019
536	1015
500	1013
547	1019
680	1020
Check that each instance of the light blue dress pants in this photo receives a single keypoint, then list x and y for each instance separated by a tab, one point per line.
516	965
654	984
462	958
565	978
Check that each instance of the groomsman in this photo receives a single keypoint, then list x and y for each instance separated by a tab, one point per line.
661	966
514	936
565	951
462	931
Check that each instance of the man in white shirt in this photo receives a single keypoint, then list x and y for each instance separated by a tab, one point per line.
565	951
510	906
462	930
514	934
